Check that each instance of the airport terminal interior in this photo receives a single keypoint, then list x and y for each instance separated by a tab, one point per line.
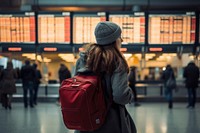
155	33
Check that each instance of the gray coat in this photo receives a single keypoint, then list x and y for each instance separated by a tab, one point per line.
118	119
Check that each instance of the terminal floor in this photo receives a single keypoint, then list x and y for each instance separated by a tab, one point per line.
149	118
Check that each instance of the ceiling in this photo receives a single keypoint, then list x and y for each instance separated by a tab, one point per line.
103	5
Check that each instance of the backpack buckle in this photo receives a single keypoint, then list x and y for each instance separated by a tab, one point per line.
74	80
74	83
97	121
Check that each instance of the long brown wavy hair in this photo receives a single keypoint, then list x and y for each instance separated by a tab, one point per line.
105	58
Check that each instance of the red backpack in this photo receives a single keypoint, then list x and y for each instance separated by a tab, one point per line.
83	102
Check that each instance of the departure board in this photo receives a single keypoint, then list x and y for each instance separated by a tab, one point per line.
54	27
172	28
17	27
84	25
133	27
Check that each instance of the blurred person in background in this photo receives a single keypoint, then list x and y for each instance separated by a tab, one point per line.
37	82
63	74
191	75
166	75
8	87
132	82
1	70
28	77
18	71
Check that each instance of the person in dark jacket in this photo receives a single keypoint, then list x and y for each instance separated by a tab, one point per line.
1	70
132	81
28	77
104	58
168	91
191	74
8	88
37	81
63	73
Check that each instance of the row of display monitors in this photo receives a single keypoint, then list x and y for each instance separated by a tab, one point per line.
56	27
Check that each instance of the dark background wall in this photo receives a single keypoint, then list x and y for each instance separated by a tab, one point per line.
142	5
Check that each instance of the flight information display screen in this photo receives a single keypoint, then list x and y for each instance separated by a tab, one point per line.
17	27
133	27
84	25
54	27
172	28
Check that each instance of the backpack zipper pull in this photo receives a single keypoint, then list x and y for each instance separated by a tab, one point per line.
74	83
74	79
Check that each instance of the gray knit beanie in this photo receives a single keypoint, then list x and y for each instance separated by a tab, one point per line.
107	32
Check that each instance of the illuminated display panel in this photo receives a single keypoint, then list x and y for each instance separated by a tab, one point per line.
172	28
84	25
133	27
54	27
17	27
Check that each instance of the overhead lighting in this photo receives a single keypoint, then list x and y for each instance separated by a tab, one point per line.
127	56
67	57
139	56
32	56
164	68
168	57
46	60
161	58
191	57
172	54
149	56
